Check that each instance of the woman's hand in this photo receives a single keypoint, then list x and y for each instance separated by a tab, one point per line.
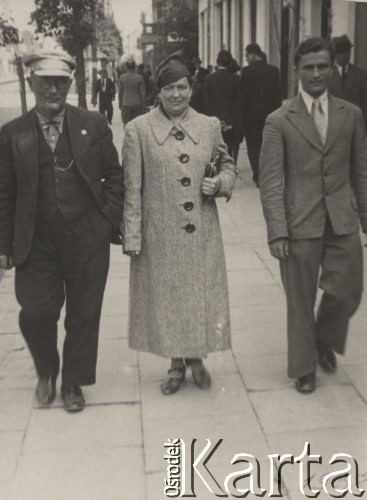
132	253
209	186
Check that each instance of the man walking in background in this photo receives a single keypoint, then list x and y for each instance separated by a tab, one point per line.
313	185
105	89
260	95
131	93
221	93
60	198
348	81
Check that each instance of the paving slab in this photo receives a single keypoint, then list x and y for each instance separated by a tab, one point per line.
15	409
356	350
259	340
269	372
240	433
113	474
328	407
358	376
98	427
255	295
226	395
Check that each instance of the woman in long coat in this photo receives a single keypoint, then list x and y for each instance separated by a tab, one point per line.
178	288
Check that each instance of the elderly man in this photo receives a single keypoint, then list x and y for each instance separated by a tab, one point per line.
60	199
313	185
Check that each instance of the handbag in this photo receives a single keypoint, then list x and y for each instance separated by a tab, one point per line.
212	168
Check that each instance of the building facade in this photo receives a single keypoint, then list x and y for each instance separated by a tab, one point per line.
278	26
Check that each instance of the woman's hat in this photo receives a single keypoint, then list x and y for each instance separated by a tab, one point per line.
171	69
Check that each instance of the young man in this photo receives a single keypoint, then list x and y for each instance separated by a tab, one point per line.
105	90
313	184
60	198
131	93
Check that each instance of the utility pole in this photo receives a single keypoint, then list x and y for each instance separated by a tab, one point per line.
22	90
94	50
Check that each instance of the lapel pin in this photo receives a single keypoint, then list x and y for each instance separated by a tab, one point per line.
84	132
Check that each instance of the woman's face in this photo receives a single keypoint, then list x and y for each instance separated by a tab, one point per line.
175	97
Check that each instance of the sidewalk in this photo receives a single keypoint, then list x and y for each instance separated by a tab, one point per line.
114	449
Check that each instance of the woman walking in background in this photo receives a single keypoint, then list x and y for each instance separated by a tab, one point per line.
178	287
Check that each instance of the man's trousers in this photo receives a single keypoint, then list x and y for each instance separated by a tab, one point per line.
68	262
106	108
340	260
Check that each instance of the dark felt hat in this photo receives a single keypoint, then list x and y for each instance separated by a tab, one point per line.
171	69
341	43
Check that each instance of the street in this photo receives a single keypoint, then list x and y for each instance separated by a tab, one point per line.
114	450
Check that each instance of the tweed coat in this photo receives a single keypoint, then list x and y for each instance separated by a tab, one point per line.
178	286
302	181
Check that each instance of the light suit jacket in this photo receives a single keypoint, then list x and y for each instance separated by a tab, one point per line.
97	165
301	181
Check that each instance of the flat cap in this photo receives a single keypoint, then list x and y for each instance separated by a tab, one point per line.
341	43
43	62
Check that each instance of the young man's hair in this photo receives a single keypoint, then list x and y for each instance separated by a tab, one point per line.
254	48
224	58
313	44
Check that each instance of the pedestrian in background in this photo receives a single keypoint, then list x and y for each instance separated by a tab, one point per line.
348	81
178	287
221	94
131	93
313	185
56	221
260	95
104	89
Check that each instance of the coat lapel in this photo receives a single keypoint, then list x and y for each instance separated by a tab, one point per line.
337	120
78	137
300	119
161	125
26	147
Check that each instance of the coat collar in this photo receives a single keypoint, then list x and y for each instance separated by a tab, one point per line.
161	125
299	117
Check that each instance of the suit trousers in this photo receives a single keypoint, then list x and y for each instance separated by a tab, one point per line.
68	262
253	143
339	258
105	107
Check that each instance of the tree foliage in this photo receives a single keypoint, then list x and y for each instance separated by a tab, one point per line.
178	25
8	33
71	22
109	39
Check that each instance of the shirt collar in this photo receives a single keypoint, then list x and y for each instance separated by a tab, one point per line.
57	120
308	100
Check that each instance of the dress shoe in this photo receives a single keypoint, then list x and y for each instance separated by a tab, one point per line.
73	398
326	358
306	384
46	390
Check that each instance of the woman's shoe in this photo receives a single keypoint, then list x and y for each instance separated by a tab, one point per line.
175	378
200	375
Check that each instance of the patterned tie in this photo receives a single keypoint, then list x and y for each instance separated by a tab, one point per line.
319	119
344	73
51	130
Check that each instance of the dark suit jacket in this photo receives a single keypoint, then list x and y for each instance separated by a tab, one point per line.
104	95
96	161
260	93
353	89
301	180
221	92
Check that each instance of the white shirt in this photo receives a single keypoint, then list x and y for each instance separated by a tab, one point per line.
324	103
340	68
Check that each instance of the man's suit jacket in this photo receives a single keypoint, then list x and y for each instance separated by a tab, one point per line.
96	161
301	180
353	89
260	93
131	90
105	95
221	93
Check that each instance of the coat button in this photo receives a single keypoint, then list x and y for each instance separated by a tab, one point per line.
184	158
186	181
189	228
188	205
179	135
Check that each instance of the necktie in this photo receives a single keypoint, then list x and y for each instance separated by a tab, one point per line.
319	119
52	133
344	73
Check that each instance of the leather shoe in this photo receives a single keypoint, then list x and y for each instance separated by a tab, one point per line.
46	390
73	398
306	384
326	358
